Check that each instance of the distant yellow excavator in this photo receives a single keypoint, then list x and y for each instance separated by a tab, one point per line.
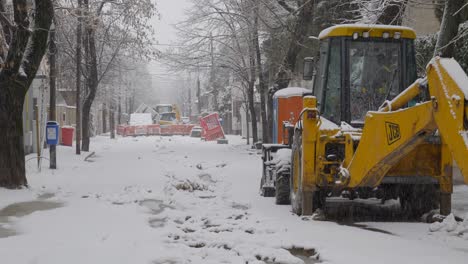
370	128
169	114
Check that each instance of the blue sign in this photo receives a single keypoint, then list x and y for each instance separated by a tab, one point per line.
52	133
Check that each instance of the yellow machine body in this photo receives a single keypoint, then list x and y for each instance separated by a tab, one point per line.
401	139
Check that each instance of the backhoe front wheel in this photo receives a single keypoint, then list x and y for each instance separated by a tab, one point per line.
296	174
302	202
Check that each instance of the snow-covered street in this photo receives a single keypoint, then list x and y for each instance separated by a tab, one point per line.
182	200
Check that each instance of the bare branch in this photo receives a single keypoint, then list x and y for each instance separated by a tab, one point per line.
286	7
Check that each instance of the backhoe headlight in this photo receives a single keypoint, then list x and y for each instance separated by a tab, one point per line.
365	34
397	35
355	35
385	35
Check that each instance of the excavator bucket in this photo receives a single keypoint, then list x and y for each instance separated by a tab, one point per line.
448	86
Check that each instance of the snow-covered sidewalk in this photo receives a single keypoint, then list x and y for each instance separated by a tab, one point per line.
181	200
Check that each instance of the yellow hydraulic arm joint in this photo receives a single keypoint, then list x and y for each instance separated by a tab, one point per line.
404	97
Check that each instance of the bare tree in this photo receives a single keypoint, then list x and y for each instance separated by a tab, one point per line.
387	12
230	26
123	27
451	20
262	89
303	16
22	48
78	62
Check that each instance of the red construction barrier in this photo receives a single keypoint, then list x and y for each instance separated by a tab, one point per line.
212	129
141	130
129	131
121	130
148	130
154	130
67	136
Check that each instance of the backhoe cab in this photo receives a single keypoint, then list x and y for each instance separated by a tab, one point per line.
364	132
360	67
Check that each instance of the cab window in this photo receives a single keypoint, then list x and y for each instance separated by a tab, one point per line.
374	75
332	92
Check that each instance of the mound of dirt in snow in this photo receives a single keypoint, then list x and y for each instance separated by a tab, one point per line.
188	185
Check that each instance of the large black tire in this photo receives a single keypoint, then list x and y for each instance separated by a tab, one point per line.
417	199
268	192
313	200
282	189
295	181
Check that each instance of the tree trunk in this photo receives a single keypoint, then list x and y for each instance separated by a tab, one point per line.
26	49
298	35
270	115
302	24
212	77
85	127
119	112
112	122
261	86
251	95
247	117
198	95
104	118
92	83
12	161
78	78
448	29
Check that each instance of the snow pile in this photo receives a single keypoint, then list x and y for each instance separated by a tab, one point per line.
451	226
327	124
281	157
281	160
291	91
349	128
140	119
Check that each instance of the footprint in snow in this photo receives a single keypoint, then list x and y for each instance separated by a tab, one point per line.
156	206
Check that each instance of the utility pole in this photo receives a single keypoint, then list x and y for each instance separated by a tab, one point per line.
78	78
52	84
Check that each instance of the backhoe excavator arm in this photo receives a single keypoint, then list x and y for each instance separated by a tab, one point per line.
448	87
393	131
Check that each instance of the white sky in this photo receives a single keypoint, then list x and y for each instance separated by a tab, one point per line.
170	12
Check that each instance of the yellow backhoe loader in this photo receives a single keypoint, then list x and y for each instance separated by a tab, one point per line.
169	114
371	126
